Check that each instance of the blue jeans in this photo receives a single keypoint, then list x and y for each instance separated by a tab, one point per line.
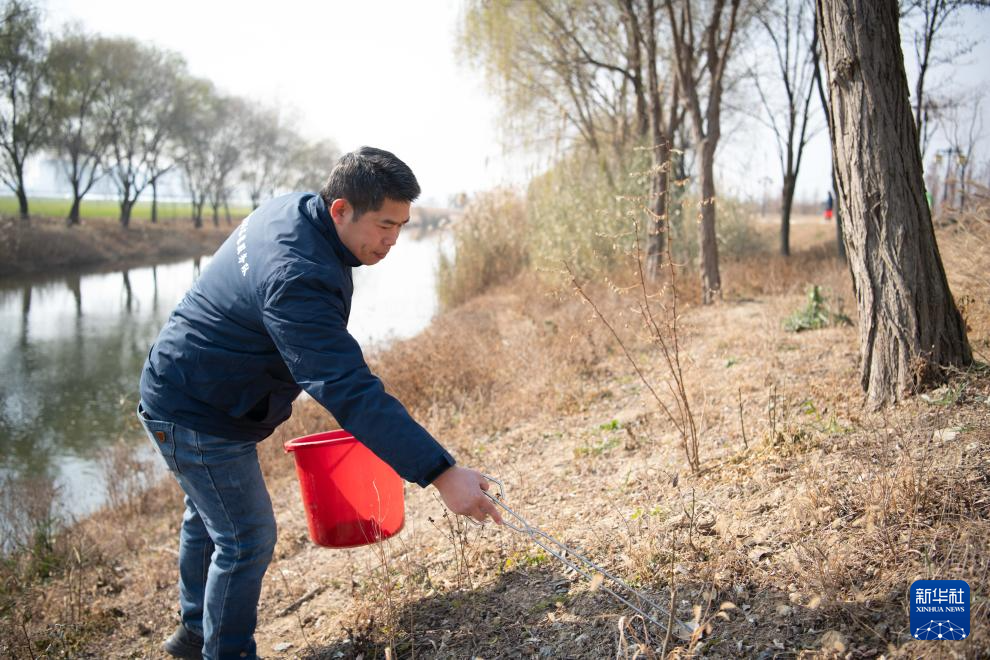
227	536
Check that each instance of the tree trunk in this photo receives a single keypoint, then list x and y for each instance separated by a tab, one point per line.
711	281
197	210
125	212
22	201
154	201
840	242
73	217
910	329
659	182
786	204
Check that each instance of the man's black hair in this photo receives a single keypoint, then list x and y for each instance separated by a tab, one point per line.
366	177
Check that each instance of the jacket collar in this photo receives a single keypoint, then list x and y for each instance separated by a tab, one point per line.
321	215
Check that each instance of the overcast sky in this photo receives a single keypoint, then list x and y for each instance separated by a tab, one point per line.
385	73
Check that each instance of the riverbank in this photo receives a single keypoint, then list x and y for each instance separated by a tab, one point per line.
46	245
800	534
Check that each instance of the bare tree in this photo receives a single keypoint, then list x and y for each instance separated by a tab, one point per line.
200	120
78	69
142	107
26	103
910	328
665	117
934	16
963	137
265	158
714	41
169	75
786	93
226	144
311	163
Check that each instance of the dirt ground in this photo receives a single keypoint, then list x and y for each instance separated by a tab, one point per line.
800	534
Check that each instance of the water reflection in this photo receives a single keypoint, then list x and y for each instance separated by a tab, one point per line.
70	374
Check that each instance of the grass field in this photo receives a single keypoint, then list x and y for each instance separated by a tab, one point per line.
53	207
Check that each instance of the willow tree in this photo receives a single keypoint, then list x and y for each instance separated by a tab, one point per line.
910	329
586	73
25	101
78	71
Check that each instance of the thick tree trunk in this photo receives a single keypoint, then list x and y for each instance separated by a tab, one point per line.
839	241
73	218
910	329
711	281
125	212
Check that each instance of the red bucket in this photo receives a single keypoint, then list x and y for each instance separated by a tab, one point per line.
351	496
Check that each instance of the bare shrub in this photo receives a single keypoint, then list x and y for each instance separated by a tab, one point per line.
127	477
577	210
31	523
737	233
490	248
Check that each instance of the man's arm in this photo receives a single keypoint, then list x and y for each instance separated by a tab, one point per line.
304	315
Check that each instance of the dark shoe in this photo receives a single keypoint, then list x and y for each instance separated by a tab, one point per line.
184	644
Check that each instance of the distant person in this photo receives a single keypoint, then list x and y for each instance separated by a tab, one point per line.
266	319
828	205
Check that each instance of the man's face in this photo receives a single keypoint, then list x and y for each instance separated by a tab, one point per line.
372	235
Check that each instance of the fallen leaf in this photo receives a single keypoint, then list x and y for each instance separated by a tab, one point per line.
833	640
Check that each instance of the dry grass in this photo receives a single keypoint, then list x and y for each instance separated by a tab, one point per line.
800	535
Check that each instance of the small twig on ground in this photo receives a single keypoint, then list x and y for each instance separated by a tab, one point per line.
296	604
299	620
27	638
742	423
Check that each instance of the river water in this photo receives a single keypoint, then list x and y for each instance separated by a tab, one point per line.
72	347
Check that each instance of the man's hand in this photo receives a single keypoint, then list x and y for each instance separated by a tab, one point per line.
462	491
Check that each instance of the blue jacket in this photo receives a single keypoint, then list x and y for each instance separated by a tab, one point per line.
267	318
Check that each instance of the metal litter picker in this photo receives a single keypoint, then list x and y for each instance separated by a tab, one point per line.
589	569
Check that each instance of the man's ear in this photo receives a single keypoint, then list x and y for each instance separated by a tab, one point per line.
341	211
